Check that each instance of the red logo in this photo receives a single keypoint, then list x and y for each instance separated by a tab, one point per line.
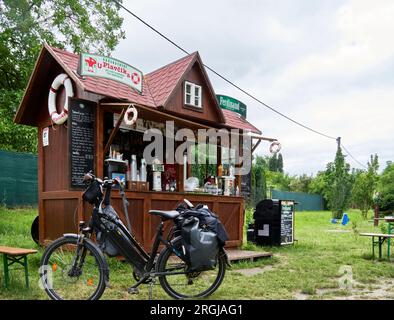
91	62
135	78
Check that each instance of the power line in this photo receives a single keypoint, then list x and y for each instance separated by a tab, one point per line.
223	77
235	85
349	154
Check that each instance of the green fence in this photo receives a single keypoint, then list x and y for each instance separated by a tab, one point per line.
18	179
306	201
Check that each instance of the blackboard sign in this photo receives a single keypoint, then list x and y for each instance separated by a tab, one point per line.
246	184
287	222
81	134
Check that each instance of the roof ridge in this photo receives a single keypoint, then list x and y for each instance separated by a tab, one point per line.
172	63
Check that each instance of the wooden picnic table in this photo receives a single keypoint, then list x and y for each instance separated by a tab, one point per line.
382	237
13	255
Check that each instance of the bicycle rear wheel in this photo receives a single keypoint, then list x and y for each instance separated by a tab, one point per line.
63	279
190	284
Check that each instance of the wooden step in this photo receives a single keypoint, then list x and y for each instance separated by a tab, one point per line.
240	255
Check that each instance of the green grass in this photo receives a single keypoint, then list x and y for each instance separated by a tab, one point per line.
308	266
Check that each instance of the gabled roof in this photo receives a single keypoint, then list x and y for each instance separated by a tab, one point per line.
158	86
163	81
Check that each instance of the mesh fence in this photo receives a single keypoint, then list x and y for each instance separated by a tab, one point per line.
306	201
18	179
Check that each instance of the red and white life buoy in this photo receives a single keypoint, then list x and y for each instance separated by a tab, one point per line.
61	79
275	147
127	120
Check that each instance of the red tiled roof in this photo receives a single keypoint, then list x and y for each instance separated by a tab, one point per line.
157	86
234	120
163	81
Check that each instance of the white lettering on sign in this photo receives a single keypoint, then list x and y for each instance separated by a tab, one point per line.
229	104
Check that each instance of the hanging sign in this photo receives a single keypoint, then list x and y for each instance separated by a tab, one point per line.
45	137
93	65
228	103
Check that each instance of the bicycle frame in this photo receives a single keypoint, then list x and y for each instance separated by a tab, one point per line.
129	247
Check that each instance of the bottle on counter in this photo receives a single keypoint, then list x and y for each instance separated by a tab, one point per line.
143	170
220	170
133	167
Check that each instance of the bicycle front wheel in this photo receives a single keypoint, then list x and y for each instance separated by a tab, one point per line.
72	272
187	285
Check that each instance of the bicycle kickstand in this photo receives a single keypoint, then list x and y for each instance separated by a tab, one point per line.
151	284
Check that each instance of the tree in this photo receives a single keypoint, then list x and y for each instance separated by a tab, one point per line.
81	25
14	137
338	184
386	188
301	183
259	182
365	185
280	163
318	184
273	163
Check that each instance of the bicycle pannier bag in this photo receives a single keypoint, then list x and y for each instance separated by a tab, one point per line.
201	246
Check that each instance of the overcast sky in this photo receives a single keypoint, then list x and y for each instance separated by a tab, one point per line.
328	64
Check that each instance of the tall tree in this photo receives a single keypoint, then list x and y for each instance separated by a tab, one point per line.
259	181
365	185
280	163
273	163
386	188
79	25
338	184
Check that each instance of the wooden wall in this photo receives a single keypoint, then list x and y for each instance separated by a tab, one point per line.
209	111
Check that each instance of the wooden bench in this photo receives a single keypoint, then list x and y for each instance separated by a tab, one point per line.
13	255
381	239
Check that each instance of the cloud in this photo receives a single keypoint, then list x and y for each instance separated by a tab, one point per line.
326	63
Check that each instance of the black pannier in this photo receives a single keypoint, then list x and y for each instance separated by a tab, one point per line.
202	236
201	246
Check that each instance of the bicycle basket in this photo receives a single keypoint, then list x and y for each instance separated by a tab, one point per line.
92	193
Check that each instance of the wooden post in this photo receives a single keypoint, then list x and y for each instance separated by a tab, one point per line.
376	216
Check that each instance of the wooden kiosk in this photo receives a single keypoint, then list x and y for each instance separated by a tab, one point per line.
83	141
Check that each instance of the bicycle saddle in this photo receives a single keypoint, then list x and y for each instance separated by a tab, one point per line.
172	214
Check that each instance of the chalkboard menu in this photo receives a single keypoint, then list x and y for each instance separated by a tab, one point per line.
287	222
81	130
246	184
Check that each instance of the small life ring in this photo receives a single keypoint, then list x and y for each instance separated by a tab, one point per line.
275	147
135	78
61	79
127	120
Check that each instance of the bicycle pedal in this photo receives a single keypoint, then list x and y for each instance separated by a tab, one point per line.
133	290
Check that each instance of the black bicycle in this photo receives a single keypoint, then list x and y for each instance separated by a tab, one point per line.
75	267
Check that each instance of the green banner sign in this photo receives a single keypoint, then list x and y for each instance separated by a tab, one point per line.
228	103
93	65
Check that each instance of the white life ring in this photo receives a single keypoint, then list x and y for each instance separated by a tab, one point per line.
127	120
275	147
61	79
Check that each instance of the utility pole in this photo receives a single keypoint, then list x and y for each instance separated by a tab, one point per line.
339	142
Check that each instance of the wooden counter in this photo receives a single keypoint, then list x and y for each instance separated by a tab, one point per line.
61	211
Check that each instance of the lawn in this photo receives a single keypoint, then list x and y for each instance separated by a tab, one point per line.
309	269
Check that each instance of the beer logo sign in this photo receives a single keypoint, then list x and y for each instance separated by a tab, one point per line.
93	65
